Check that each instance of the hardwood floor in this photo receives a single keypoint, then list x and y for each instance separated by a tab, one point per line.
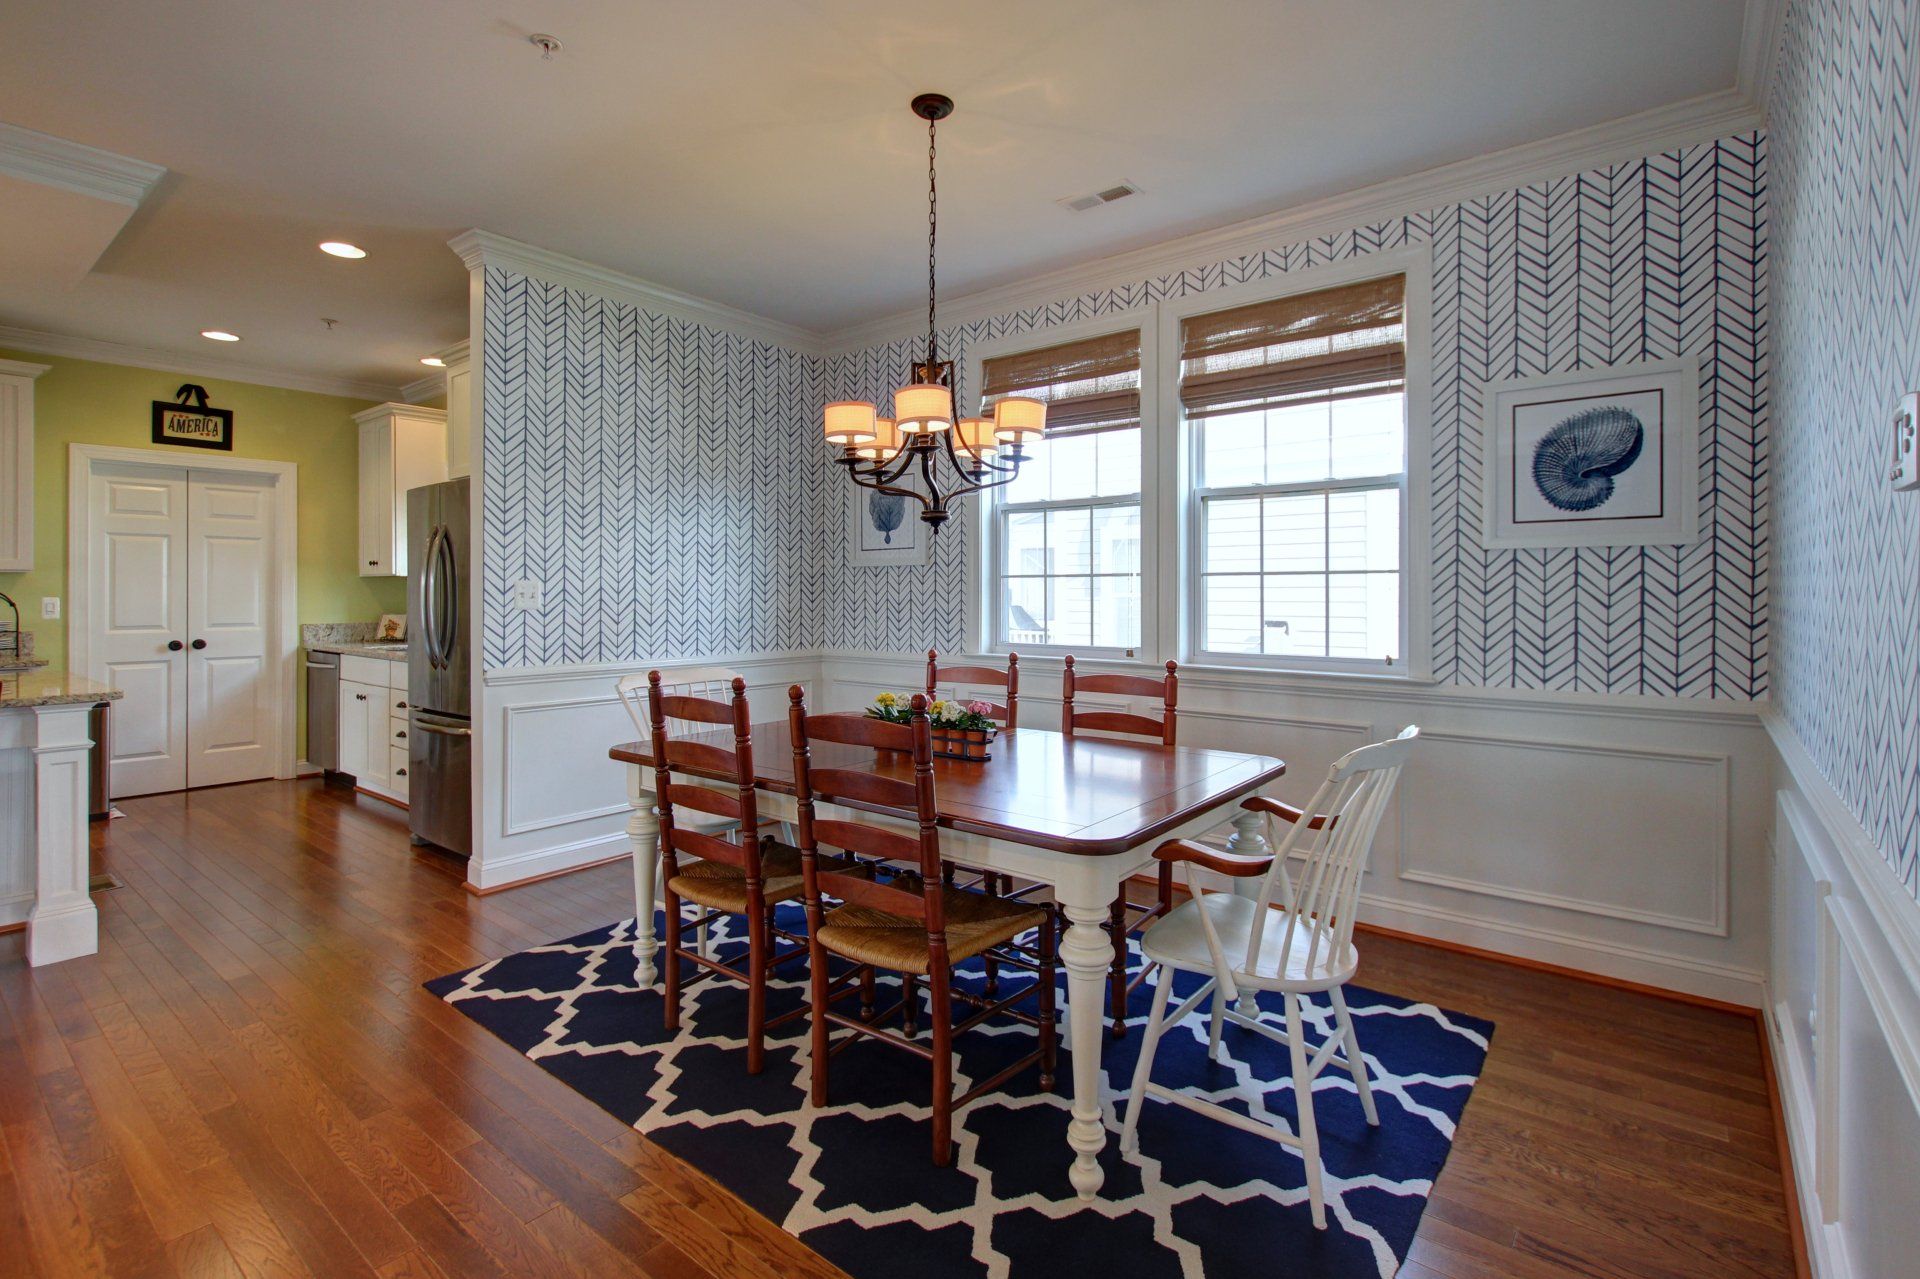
249	1080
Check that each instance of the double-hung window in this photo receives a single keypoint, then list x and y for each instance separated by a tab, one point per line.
1295	409
1065	534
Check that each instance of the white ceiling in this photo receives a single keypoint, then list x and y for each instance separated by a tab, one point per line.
758	153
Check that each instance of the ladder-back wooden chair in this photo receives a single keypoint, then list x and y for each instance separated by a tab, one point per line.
1245	946
1007	713
914	924
1127	914
726	872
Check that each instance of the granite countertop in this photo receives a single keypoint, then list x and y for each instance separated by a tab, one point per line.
355	639
385	650
52	688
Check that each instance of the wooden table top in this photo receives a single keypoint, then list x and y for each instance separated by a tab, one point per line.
1086	795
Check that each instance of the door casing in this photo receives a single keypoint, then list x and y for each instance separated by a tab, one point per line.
283	629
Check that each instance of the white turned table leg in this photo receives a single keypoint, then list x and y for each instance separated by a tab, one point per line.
63	923
1086	953
643	834
1249	839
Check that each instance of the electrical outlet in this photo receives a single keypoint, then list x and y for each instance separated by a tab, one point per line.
50	607
1906	450
526	595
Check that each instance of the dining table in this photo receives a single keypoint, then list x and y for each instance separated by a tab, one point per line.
1081	814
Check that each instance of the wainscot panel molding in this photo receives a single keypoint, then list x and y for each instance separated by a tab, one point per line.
1667	887
1843	1017
551	799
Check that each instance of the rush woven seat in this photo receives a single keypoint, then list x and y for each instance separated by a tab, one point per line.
719	886
975	922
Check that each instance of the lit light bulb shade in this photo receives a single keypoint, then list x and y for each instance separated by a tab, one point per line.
885	445
1018	418
922	408
975	435
849	422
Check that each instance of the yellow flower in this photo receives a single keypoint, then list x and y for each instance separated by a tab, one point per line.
887	700
940	708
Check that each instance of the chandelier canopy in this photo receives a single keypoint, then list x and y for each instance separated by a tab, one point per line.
923	449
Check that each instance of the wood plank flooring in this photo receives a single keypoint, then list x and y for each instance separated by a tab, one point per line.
248	1080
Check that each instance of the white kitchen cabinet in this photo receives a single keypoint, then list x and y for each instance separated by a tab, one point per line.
459	413
373	726
16	464
402	446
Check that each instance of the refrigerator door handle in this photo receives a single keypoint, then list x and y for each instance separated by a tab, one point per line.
448	578
429	579
445	730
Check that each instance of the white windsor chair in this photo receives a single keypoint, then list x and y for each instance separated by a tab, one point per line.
1292	943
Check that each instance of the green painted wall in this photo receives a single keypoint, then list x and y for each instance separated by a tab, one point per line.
87	402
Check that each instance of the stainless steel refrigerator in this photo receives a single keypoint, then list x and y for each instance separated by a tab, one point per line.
439	666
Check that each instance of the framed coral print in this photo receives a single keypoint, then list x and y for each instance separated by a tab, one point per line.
1599	457
883	528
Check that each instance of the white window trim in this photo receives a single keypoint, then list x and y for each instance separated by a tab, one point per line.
983	587
1180	502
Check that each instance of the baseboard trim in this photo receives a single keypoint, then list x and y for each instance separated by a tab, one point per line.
1560	970
545	863
1783	1142
535	879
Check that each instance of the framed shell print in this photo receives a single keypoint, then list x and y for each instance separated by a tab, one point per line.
1598	457
883	528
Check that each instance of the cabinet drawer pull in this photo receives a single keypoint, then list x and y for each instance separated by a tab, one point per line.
359	697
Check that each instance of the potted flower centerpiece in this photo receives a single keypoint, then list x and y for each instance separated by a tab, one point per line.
961	730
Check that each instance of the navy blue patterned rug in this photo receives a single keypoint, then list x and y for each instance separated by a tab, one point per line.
854	1182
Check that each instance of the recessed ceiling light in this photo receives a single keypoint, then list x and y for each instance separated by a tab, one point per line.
219	335
341	249
433	362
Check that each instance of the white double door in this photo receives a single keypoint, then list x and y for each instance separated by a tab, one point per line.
179	609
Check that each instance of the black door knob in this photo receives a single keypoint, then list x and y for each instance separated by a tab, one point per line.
174	646
199	644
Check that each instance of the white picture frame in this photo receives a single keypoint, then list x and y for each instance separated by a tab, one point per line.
1597	457
872	545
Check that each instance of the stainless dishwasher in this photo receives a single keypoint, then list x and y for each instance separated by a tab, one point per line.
323	711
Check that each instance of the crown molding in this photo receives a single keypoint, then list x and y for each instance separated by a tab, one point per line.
1760	35
434	381
147	357
1633	137
72	166
479	249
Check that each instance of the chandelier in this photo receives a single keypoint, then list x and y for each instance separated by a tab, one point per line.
924	450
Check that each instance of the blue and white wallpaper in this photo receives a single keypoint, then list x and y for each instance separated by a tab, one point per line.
644	468
1845	111
1641	261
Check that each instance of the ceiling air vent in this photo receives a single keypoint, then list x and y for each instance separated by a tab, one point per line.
1080	204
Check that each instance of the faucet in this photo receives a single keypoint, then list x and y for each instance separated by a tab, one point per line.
8	601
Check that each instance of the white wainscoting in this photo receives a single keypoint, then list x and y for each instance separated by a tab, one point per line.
1844	1021
1621	836
551	800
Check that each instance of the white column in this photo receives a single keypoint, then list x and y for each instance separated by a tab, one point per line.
63	923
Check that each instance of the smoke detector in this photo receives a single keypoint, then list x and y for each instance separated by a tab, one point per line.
1080	204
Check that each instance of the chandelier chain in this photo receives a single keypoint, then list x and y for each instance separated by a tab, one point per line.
933	226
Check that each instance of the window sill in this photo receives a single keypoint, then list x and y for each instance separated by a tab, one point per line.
1202	672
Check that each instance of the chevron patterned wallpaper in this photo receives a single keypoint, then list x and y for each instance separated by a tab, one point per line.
618	471
1845	112
1640	261
621	472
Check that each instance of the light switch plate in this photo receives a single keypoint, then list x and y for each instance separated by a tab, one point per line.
526	594
50	607
1906	449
